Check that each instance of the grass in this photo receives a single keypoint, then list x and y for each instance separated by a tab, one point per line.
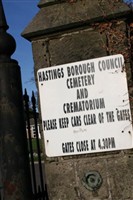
34	147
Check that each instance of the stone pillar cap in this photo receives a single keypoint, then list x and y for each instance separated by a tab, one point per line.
54	16
7	42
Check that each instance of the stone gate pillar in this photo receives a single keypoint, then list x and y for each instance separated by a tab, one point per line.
69	31
15	179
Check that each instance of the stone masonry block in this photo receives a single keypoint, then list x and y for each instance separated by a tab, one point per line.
77	46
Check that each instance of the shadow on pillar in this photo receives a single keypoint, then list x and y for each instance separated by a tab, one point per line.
15	182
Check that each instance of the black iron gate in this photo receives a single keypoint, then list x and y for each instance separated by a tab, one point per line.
39	187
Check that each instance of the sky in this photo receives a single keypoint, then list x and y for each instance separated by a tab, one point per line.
129	2
19	14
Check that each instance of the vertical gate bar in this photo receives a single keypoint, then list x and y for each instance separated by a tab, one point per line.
46	193
38	145
26	99
39	193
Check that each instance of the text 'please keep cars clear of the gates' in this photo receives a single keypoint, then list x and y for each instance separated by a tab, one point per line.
85	107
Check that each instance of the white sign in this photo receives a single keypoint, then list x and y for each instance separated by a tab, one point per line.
85	107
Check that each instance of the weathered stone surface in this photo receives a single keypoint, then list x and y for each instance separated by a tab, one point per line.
43	3
67	48
77	46
41	54
64	185
67	176
67	15
121	177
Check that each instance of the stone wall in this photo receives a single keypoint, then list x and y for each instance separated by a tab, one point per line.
75	30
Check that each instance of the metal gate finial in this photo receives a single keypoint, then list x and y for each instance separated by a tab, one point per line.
3	23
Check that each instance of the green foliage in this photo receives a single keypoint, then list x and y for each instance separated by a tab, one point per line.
34	147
